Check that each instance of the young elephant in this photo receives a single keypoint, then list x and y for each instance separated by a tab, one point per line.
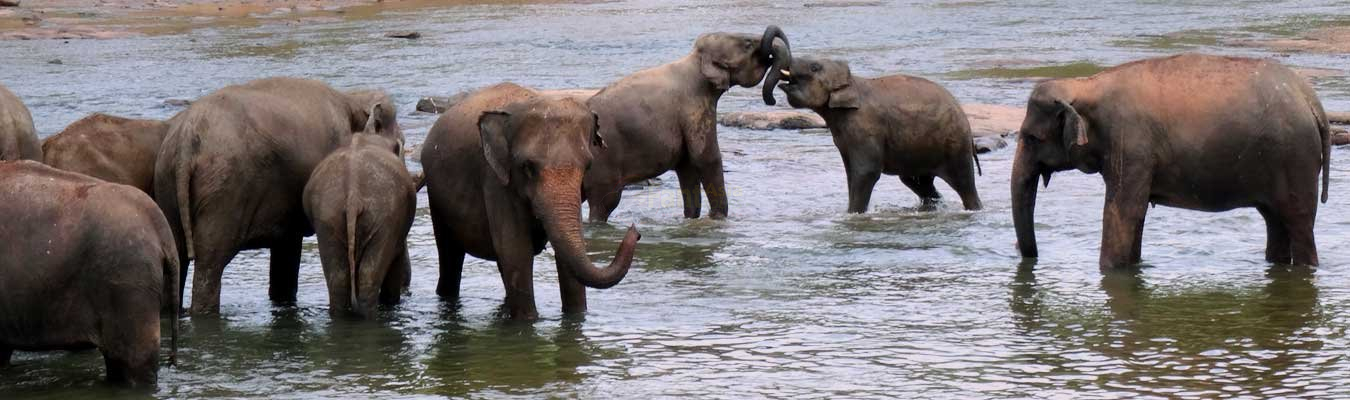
361	202
1192	131
18	138
87	264
665	118
503	170
111	148
895	125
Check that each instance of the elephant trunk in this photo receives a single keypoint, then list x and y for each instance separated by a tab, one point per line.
1024	175
559	207
781	55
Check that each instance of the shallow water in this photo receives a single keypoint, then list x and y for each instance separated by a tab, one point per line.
790	297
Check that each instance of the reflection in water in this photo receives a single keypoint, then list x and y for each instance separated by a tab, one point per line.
1179	339
510	357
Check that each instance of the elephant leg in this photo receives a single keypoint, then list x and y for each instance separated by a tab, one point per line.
690	190
129	339
452	266
391	292
5	354
710	172
1137	255
960	175
603	200
860	184
517	269
572	291
1303	244
285	271
923	187
1122	224
208	272
1278	250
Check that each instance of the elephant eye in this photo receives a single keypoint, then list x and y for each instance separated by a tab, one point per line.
531	169
815	67
721	65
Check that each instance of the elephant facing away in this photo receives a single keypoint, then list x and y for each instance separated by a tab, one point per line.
232	171
895	125
504	175
87	264
1193	131
361	201
665	118
111	148
18	138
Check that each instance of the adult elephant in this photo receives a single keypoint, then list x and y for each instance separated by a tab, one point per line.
18	138
111	148
232	171
896	125
1192	131
504	170
87	264
665	118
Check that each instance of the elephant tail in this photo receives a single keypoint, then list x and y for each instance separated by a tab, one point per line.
183	186
1324	129
353	212
975	153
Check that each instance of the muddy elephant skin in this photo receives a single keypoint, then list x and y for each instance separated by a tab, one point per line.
18	138
87	264
111	148
1198	132
503	171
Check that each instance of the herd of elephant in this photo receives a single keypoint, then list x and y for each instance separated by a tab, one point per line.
97	241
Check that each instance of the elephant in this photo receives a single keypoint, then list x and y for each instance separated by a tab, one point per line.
232	170
18	138
87	264
361	201
1192	131
504	177
895	125
111	148
665	118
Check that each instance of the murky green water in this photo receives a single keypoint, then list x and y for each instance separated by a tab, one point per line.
790	297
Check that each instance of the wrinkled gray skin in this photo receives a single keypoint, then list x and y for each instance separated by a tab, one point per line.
1191	131
232	171
361	201
665	118
87	264
111	148
18	138
894	125
503	172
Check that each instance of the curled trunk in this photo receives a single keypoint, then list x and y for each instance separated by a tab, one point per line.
1024	201
780	55
560	209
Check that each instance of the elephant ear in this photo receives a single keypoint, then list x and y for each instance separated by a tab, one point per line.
711	65
845	96
596	139
375	119
1075	128
492	133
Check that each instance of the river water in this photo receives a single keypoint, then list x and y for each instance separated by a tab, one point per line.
789	297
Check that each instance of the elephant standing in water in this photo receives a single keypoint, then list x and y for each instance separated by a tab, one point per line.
896	125
87	264
1192	131
665	118
232	171
504	170
361	201
18	138
111	148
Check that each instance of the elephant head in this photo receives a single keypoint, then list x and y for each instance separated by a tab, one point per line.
539	149
1055	136
374	106
820	84
727	59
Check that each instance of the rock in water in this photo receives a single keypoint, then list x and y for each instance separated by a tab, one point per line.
768	120
399	35
985	144
9	3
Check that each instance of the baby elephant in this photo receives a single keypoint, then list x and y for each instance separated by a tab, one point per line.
896	125
111	148
87	264
361	202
